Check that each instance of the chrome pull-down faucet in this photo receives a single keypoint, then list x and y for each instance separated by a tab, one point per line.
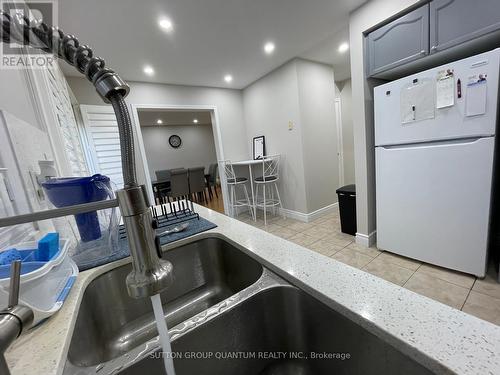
150	274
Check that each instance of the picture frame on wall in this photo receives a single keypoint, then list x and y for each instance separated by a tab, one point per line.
259	147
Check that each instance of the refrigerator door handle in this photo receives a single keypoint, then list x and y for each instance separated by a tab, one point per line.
448	142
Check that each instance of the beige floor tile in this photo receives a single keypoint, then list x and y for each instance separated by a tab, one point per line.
330	222
333	239
389	271
317	232
483	306
324	252
270	218
352	258
298	226
344	236
321	219
302	239
370	251
457	278
272	227
284	221
437	289
489	286
324	247
330	227
400	261
282	232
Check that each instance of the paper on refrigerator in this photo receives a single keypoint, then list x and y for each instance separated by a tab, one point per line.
418	101
445	89
476	94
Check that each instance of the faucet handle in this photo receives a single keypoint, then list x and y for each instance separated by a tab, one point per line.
15	280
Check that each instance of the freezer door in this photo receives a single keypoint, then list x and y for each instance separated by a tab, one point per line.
394	102
433	202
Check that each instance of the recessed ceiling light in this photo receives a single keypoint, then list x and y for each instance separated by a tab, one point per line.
228	78
269	47
149	70
195	120
159	121
166	24
343	47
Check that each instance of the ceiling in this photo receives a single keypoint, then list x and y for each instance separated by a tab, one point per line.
149	117
210	38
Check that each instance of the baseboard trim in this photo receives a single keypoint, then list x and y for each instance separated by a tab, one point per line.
306	218
322	211
366	240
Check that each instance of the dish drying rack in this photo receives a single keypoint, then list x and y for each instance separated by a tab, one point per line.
169	214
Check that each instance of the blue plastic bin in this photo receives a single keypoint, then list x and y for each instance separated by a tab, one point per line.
63	192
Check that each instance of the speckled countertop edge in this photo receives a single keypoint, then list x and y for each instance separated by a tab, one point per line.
441	338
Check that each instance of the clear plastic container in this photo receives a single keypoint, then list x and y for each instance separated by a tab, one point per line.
46	287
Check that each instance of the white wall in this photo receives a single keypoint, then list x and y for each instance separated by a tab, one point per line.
229	105
16	97
197	149
319	133
344	93
270	104
302	93
361	20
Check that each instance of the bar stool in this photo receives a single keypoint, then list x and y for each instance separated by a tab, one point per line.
233	182
269	180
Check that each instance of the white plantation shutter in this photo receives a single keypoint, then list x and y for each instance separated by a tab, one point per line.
104	141
65	117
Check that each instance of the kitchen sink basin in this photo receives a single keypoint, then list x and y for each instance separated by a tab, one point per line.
284	320
110	323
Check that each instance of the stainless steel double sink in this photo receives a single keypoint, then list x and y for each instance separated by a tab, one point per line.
228	315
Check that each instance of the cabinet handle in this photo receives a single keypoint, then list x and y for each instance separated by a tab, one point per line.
423	52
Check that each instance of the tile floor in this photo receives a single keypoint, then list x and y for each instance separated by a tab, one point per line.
474	296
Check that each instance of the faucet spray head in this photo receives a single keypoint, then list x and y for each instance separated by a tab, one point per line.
150	274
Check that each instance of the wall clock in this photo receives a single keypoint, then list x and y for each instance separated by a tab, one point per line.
175	141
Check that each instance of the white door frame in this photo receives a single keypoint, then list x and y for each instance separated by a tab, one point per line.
219	149
340	143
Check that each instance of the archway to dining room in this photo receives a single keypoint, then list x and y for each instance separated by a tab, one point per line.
180	149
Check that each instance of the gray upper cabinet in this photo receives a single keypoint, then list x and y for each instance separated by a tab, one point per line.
399	42
456	21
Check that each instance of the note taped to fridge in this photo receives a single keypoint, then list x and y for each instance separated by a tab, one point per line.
476	98
445	92
417	101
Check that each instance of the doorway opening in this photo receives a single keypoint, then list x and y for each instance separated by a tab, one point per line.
179	148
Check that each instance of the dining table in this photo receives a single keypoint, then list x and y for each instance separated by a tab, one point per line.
250	164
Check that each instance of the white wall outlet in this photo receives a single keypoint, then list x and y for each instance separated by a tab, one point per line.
290	125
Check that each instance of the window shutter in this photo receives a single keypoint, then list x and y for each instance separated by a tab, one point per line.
63	111
102	133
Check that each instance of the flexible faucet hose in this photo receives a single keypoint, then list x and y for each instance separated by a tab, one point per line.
126	138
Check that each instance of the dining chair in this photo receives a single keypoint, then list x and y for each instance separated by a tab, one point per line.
268	182
179	183
162	190
197	183
212	179
233	182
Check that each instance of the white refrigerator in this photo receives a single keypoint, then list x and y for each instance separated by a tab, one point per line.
434	155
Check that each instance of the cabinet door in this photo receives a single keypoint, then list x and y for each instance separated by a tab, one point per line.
457	21
399	42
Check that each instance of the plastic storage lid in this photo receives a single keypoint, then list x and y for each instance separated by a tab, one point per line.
348	189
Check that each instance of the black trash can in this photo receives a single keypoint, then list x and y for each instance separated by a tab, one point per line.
347	207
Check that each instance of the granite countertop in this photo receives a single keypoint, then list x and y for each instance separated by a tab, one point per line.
443	339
